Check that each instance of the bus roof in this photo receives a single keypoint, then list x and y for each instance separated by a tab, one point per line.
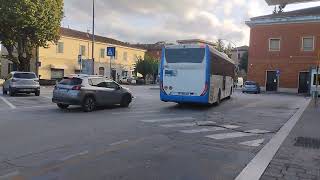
215	51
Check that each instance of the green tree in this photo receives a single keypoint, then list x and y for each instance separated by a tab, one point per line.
27	25
244	62
147	66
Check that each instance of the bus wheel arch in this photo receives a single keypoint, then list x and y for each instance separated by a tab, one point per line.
219	97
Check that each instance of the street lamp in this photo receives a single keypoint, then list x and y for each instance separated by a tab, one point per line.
93	14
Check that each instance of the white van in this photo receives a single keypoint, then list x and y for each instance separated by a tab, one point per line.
239	83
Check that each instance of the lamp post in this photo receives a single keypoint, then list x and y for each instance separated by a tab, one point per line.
93	14
317	80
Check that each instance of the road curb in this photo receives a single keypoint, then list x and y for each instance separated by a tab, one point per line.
256	167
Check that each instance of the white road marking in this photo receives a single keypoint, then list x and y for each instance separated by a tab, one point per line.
8	103
184	124
146	115
134	112
168	119
260	162
119	142
192	131
74	155
254	143
257	131
229	126
47	97
9	175
229	135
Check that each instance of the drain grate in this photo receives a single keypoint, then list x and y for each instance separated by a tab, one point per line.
307	142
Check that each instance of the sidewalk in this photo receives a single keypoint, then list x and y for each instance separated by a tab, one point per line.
299	156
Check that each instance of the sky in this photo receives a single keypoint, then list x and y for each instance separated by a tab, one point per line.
150	21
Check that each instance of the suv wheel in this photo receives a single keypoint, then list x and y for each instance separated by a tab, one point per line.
37	93
4	92
219	98
62	106
11	92
126	100
89	104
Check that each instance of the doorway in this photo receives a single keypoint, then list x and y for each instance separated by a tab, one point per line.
272	81
304	80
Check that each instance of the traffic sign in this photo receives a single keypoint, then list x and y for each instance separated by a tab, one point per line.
111	51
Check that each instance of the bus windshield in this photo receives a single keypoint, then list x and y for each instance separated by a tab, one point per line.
186	55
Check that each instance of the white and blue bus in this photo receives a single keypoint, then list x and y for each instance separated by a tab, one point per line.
193	73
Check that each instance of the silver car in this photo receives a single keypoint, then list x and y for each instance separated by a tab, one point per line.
21	82
90	92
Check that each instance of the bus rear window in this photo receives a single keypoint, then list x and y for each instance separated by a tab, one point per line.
187	55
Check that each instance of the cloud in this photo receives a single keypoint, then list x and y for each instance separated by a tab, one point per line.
149	21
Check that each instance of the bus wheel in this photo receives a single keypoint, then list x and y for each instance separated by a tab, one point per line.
229	97
219	98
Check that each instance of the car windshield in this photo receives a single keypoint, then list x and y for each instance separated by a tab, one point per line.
24	76
71	81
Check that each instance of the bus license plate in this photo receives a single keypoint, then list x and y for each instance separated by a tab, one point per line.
184	93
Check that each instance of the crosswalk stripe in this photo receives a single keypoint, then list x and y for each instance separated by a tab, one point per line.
229	135
254	143
168	119
192	131
229	126
257	131
185	124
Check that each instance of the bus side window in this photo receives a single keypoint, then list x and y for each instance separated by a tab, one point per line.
224	83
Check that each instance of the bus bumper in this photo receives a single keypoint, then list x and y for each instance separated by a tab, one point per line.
184	99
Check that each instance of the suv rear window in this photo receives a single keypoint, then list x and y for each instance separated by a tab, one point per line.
24	75
250	83
71	81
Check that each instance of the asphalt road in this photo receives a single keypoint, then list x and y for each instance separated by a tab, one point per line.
150	140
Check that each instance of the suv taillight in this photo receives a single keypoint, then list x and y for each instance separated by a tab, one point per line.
77	88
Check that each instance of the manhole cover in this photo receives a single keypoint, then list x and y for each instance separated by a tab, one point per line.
307	142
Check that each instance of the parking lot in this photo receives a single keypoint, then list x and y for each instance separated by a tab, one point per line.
149	140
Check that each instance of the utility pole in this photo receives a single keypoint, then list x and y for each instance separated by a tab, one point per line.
317	84
93	14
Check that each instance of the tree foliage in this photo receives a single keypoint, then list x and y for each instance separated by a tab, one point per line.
244	62
220	46
147	66
27	25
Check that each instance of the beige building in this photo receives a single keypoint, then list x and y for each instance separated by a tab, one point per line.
61	59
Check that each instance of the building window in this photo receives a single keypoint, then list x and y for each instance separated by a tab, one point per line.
315	79
82	50
308	44
60	47
274	44
125	56
101	71
102	53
